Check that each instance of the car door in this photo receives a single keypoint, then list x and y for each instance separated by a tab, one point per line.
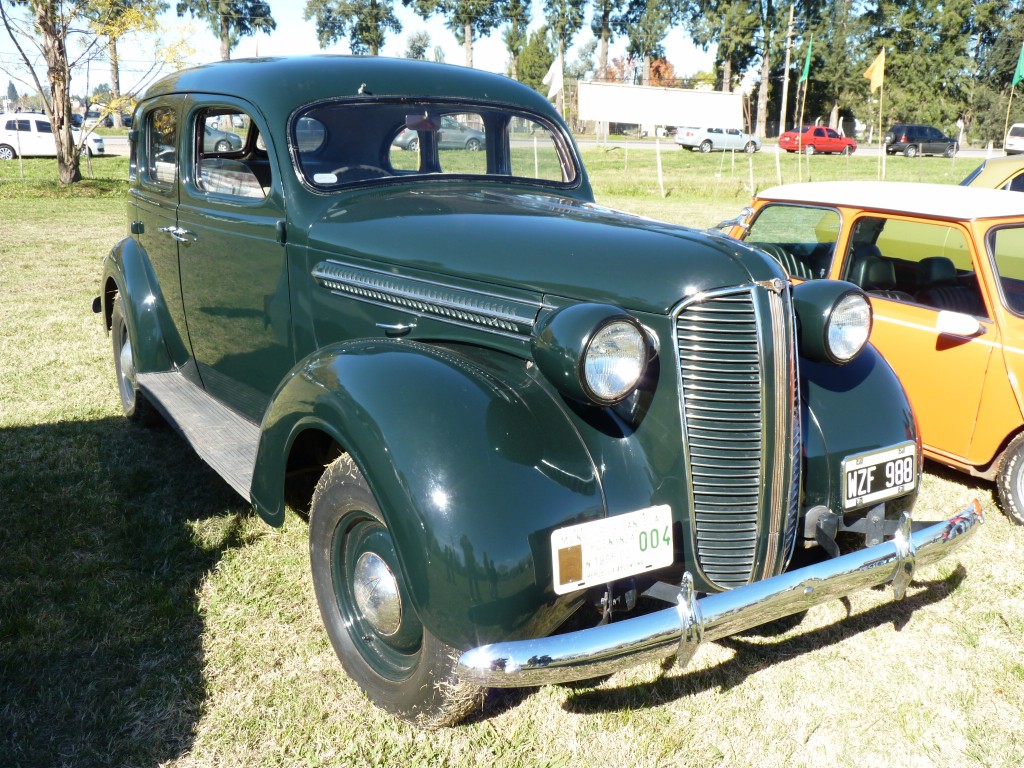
942	372
43	142
231	232
153	207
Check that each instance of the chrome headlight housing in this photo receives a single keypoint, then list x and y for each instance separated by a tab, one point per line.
835	320
593	353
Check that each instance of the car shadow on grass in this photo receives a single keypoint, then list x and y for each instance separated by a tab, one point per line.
107	532
753	656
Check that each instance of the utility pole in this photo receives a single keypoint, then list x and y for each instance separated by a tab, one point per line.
785	72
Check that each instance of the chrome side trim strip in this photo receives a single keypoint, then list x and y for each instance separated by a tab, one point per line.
608	648
444	302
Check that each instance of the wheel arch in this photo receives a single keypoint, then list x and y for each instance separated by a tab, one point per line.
468	482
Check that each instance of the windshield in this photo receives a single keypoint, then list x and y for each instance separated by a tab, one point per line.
337	144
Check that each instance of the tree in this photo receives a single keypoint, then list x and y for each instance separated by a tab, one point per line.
663	73
564	19
535	61
466	19
365	23
115	19
517	14
230	20
417	45
12	92
729	24
602	24
51	23
645	23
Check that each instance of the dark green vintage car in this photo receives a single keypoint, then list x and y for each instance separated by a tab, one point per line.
500	403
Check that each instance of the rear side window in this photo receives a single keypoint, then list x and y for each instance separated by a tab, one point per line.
230	159
162	145
43	126
1006	249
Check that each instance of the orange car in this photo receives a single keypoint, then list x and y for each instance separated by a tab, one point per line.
944	269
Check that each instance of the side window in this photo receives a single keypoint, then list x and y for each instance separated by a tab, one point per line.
43	126
733	131
230	158
162	145
831	133
24	126
1006	248
916	261
800	238
534	152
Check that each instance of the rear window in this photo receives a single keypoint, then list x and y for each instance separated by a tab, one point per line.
1017	131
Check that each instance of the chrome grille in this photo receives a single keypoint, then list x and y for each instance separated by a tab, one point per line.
723	413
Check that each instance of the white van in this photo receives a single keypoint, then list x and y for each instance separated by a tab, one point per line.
1014	143
31	134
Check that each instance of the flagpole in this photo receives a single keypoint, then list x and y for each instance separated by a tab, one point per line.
1006	125
881	111
803	103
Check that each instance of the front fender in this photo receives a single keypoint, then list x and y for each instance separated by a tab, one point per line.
128	268
850	409
473	464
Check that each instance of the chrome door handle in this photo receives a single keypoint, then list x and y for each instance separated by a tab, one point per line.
396	329
179	234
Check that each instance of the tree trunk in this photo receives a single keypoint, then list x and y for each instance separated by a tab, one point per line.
646	78
58	106
763	88
115	83
467	45
726	75
602	50
225	38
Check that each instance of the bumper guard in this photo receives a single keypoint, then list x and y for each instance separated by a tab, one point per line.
679	631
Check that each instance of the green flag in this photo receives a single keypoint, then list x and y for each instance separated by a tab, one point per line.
1018	73
807	61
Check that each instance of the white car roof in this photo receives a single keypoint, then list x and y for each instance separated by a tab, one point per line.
944	201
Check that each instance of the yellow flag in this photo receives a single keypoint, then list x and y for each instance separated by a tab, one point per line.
876	71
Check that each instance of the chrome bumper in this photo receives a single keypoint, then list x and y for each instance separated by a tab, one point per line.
678	631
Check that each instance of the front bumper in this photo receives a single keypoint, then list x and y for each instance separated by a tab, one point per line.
678	631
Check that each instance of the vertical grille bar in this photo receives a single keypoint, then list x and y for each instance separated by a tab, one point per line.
744	453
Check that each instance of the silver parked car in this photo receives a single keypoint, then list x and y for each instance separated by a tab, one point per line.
710	139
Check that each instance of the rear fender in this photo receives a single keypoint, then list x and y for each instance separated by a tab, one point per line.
473	464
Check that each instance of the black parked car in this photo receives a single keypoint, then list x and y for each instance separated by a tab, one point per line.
912	140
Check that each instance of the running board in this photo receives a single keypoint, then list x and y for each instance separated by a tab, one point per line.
223	439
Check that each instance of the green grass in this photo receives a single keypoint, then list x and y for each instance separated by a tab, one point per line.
148	618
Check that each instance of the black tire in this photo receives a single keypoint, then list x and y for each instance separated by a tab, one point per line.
911	150
705	146
134	403
473	145
1010	480
809	149
750	148
413	145
222	146
847	151
950	151
7	152
384	648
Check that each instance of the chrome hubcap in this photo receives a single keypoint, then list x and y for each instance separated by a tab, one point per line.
127	371
376	594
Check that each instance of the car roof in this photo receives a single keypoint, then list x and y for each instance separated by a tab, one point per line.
281	84
935	200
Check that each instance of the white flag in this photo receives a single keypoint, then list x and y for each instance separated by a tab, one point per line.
553	79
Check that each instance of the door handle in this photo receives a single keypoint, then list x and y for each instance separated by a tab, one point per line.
179	234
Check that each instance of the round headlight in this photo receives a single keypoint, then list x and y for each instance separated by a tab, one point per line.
848	327
614	361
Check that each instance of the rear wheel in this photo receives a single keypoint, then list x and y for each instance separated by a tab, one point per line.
413	145
911	150
1010	480
133	402
364	602
473	145
222	146
809	149
705	146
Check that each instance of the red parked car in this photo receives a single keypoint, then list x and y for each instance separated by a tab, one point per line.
817	138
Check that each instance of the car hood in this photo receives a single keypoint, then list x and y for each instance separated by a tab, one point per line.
546	244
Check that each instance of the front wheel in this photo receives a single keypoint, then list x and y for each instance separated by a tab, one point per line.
1010	480
950	151
750	148
413	145
911	151
7	153
133	402
222	146
847	151
364	601
473	145
705	147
